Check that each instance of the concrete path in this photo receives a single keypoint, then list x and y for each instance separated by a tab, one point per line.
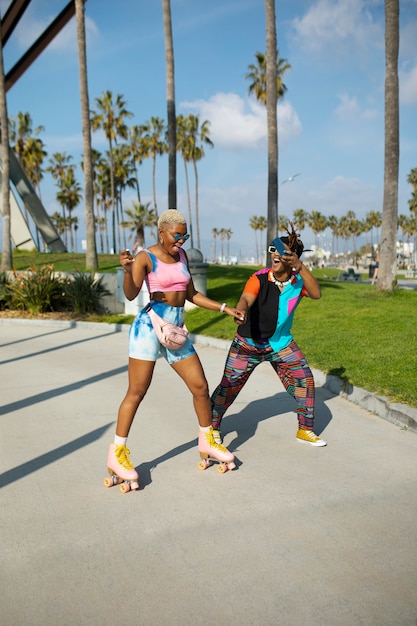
295	536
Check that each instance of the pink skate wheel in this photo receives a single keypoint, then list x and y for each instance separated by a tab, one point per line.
124	487
108	481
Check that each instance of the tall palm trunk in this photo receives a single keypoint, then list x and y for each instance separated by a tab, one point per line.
272	121
388	265
6	260
187	187
170	86
91	251
197	216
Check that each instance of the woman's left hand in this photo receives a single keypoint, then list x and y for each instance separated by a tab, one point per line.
290	259
236	313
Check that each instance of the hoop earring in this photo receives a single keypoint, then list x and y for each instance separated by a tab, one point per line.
161	241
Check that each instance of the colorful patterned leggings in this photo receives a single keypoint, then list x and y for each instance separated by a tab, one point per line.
291	366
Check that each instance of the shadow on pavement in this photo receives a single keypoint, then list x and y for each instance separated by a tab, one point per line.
21	471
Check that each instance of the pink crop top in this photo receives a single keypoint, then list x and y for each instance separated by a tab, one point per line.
167	276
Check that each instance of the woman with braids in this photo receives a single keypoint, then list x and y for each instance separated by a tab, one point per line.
269	300
164	269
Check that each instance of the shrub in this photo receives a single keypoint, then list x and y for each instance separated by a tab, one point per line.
36	291
84	292
4	292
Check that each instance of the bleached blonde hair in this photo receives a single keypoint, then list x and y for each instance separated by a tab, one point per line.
170	217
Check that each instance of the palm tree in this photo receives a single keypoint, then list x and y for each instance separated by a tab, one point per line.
199	136
111	117
59	222
91	260
318	223
222	236
136	151
170	87
154	146
59	166
333	224
267	86
282	223
140	216
30	152
33	158
412	203
258	223
299	219
387	269
257	75
344	231
407	226
69	196
194	136
356	229
6	259
103	195
412	178
123	177
20	131
215	233
184	145
228	235
374	220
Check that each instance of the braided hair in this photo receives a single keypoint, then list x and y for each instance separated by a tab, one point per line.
293	241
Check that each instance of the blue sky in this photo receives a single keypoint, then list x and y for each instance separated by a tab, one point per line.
331	121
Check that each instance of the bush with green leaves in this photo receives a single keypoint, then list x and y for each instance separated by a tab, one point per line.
84	292
4	292
37	290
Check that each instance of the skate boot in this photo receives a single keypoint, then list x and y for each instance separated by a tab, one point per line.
121	470
210	451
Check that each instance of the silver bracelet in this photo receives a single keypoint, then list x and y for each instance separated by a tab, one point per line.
223	306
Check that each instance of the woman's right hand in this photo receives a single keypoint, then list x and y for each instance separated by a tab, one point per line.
126	260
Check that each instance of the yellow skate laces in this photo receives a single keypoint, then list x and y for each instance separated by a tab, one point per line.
121	454
213	443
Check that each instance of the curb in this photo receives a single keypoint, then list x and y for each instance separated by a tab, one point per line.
399	414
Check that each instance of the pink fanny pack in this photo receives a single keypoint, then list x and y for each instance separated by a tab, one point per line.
169	335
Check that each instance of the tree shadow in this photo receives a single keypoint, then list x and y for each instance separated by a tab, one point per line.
246	422
52	393
145	469
61	346
21	471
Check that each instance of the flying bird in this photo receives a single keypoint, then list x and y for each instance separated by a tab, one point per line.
290	179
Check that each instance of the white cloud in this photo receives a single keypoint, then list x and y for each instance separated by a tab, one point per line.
340	195
237	123
408	86
349	109
30	27
339	25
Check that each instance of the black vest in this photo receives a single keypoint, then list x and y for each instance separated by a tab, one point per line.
262	317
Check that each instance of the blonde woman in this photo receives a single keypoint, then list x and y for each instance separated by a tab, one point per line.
165	270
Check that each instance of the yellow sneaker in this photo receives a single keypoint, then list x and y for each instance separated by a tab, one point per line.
307	436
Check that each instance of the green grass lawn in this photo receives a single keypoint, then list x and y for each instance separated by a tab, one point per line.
70	262
354	331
